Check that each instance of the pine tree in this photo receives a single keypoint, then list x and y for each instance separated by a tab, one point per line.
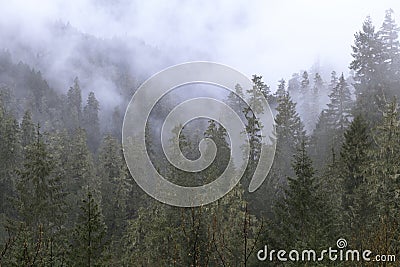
10	157
323	141
289	133
294	85
388	35
39	191
154	237
79	167
340	107
304	99
116	125
115	187
281	89
27	130
332	122
334	80
385	168
253	125
300	220
234	99
383	176
41	206
79	170
354	159
289	128
87	242
305	82
315	96
91	122
367	64
73	109
234	232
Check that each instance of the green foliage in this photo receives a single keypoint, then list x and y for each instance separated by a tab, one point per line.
68	199
115	186
354	159
302	218
91	121
87	245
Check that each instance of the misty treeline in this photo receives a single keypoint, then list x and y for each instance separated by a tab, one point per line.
68	199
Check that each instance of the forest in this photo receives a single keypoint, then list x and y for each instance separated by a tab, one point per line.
68	198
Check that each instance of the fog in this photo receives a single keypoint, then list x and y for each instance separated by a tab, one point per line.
270	38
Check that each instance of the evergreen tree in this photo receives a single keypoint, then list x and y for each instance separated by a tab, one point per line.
383	177
116	125
315	96
340	106
332	122
79	171
91	122
367	65
289	133
79	167
27	130
300	220
10	156
388	35
253	125
354	158
281	89
385	168
115	187
323	141
41	207
294	85
305	83
234	232
154	237
87	245
289	128
304	100
39	191
73	112
334	80
234	99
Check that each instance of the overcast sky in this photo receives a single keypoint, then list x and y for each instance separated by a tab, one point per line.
271	38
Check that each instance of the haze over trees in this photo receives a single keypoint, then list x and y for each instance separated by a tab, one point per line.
68	199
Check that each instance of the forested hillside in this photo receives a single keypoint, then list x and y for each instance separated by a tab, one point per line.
68	198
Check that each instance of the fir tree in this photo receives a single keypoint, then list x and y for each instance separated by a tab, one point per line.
367	65
87	245
281	89
299	217
10	156
27	130
234	99
91	122
383	176
115	187
388	35
73	109
340	106
39	190
354	158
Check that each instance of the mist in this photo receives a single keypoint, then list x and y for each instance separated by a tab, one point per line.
114	46
271	39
